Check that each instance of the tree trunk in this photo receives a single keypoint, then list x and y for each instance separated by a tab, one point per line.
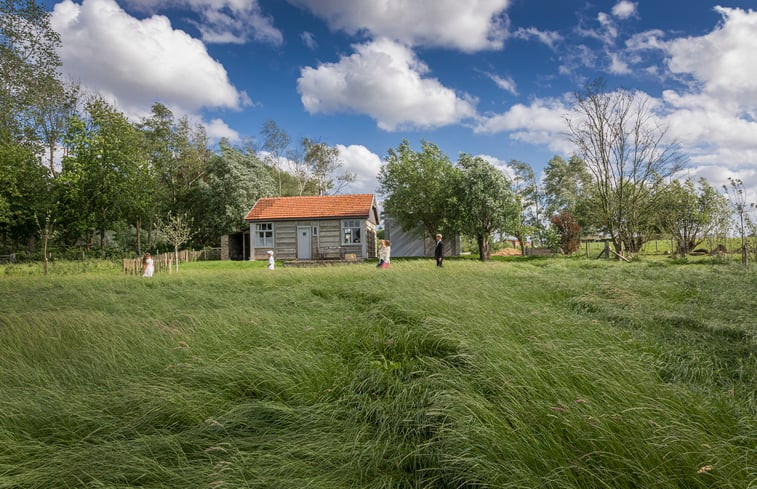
484	251
139	236
52	163
617	243
522	243
176	256
45	251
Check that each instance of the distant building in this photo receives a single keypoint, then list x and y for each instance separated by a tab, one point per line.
417	242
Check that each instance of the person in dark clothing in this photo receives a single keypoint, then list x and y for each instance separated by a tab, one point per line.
439	251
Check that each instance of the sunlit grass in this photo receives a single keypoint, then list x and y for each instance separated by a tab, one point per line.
534	373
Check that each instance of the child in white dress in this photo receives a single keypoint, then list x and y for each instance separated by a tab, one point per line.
271	263
148	265
385	251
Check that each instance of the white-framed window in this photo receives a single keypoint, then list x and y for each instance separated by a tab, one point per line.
264	235
315	230
351	231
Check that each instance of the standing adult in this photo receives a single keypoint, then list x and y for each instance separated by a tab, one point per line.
439	251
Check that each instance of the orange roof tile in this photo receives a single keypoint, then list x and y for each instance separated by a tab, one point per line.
311	207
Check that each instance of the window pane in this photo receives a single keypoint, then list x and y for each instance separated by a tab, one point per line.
264	235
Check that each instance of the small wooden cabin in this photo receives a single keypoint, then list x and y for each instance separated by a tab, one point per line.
314	227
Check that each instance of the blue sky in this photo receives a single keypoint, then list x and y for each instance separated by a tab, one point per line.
488	77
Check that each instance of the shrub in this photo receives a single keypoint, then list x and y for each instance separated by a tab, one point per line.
569	231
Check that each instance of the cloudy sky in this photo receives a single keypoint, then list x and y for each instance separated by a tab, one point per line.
486	77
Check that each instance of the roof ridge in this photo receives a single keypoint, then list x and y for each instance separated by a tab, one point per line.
315	196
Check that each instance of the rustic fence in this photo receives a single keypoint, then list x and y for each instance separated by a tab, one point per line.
163	262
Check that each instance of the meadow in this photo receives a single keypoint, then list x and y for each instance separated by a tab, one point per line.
519	373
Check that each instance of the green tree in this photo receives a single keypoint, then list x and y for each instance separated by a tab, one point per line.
419	188
486	202
690	214
190	163
323	164
300	173
178	154
737	198
178	230
275	143
626	153
529	199
29	63
57	103
158	130
234	181
101	173
565	184
25	190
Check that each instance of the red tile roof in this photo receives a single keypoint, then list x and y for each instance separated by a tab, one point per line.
311	207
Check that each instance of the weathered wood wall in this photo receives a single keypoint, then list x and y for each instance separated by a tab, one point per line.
327	244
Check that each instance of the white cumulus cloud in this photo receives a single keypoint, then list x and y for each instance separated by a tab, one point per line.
467	26
134	63
364	163
723	61
715	117
222	21
217	129
384	80
624	9
542	122
139	61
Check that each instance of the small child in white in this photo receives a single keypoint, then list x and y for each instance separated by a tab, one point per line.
271	263
385	251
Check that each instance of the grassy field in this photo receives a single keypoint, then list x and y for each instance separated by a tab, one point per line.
527	373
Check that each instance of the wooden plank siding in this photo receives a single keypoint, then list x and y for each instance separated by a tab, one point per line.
327	244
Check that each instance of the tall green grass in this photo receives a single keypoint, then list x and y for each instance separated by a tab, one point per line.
553	373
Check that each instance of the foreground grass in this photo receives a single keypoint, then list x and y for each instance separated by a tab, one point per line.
542	373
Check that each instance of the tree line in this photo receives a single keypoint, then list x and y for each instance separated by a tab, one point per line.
76	169
620	185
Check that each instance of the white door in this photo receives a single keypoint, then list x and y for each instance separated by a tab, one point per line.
303	243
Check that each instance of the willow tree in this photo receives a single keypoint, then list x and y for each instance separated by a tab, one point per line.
629	157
